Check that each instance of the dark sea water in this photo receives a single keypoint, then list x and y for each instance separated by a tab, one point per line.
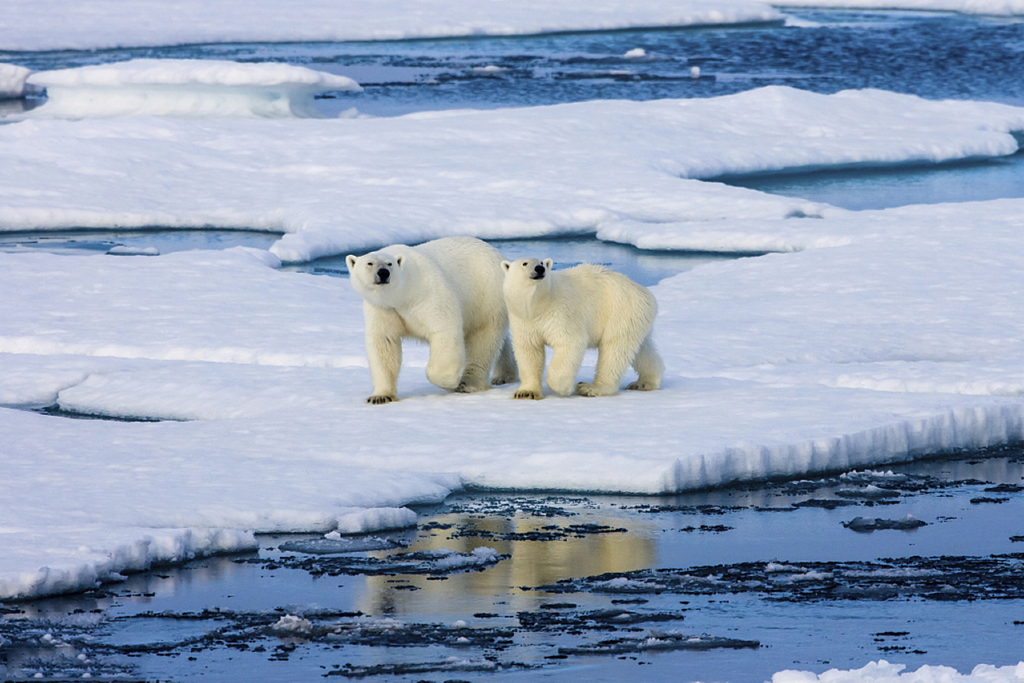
789	577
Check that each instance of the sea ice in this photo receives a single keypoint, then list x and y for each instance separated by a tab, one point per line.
622	169
12	81
184	87
883	340
884	672
61	24
993	7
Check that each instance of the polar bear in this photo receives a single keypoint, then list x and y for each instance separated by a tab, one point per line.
447	293
572	310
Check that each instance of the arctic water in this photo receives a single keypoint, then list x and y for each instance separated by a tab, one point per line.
915	566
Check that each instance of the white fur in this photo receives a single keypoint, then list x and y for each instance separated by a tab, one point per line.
446	293
575	309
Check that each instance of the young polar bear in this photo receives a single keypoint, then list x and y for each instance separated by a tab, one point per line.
447	293
575	309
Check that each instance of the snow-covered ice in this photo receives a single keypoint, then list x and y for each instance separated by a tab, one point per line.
884	672
184	87
65	24
12	81
883	336
990	7
599	166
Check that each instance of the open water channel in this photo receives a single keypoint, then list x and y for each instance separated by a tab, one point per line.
920	564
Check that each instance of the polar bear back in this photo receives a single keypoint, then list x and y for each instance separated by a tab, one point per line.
598	302
472	270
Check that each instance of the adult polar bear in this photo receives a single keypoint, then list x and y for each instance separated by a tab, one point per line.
572	310
448	293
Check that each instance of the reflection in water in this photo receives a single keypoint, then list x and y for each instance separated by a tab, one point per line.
531	562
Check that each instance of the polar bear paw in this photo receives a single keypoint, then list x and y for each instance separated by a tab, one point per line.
641	386
527	393
468	388
590	389
381	399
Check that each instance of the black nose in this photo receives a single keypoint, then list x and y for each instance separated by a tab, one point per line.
539	269
383	274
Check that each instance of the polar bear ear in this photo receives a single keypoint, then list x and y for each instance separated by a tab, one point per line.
548	263
351	261
399	261
506	264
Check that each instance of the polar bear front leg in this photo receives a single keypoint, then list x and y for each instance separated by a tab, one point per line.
529	353
384	354
565	365
447	361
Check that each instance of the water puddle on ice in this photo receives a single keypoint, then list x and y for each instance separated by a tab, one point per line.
141	242
646	267
732	584
882	188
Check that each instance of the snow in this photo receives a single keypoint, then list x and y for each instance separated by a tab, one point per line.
184	87
990	7
102	24
884	672
12	81
880	336
622	169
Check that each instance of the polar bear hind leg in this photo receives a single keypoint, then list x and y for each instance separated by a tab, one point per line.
649	367
483	345
505	371
613	357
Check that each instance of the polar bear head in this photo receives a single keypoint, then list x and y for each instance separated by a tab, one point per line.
527	269
379	277
527	281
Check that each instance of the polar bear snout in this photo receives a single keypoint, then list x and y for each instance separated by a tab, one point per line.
382	276
538	272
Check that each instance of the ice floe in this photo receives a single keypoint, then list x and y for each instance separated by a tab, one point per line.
191	88
991	7
622	169
27	25
12	81
884	672
890	335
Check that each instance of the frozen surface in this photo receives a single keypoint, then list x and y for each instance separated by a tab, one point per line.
184	87
778	366
67	24
884	672
351	184
993	7
12	80
890	335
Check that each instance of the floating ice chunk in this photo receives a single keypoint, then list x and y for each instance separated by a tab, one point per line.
489	69
884	672
864	524
636	53
12	81
361	521
336	544
291	624
185	88
694	72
